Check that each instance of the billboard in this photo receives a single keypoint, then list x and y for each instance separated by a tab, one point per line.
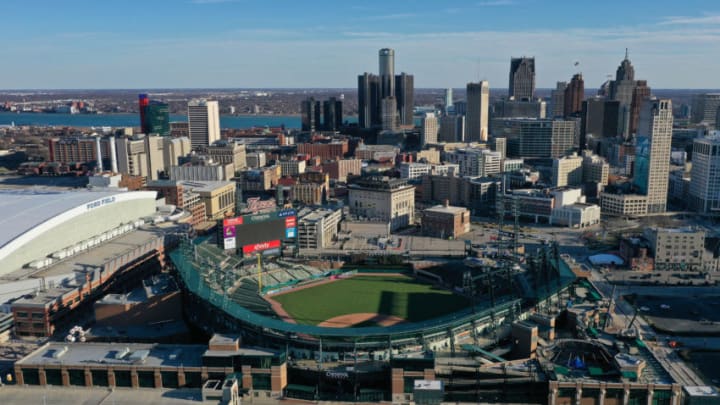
259	232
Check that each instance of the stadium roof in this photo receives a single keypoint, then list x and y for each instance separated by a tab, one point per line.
25	209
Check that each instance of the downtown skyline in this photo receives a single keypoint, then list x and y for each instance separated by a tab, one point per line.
248	44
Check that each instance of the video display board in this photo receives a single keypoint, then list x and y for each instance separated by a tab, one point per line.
258	232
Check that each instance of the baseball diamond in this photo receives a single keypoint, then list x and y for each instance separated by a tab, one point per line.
365	300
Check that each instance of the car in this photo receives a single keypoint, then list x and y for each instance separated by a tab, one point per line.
664	306
644	309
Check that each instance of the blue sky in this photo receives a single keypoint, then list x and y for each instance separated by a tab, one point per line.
319	43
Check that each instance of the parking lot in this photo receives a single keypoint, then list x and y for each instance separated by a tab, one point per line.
682	315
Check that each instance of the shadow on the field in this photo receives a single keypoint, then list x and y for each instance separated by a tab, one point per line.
416	307
423	306
388	300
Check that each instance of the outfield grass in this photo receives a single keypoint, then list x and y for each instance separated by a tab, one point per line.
401	296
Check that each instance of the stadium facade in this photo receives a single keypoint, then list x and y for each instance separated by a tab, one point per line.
37	224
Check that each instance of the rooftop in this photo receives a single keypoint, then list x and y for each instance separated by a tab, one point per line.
316	215
379	183
205	186
443	209
25	209
145	354
156	285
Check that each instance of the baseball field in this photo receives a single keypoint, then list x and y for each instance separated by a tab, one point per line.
368	300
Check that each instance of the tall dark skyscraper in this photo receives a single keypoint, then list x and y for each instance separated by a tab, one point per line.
405	95
478	103
143	101
621	89
372	90
332	114
310	115
368	100
386	59
557	98
154	116
641	92
600	119
522	78
574	96
157	118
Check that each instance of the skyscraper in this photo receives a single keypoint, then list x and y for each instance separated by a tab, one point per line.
332	114
621	89
404	94
574	95
203	122
452	128
522	78
705	175
386	58
652	155
557	98
641	92
599	119
389	114
704	108
478	100
310	115
368	100
448	99
154	116
157	118
143	101
429	132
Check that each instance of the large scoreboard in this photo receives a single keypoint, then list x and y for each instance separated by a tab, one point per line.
258	233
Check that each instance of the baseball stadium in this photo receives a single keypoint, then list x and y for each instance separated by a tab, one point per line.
283	301
363	331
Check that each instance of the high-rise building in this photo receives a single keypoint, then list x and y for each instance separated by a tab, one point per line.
405	95
386	59
533	138
705	175
652	155
389	114
557	98
332	114
574	95
704	108
143	101
203	122
368	100
475	162
520	109
478	98
600	119
621	89
157	118
154	116
310	115
567	171
522	78
641	92
429	132
452	128
448	99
